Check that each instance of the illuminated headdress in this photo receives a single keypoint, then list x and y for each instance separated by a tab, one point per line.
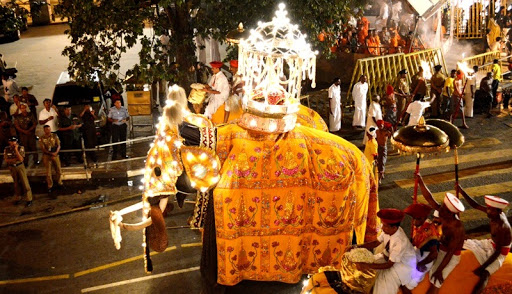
273	61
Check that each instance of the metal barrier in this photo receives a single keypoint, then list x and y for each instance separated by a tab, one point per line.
484	61
470	24
383	70
84	151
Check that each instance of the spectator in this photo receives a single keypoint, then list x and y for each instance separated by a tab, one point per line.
89	131
448	90
50	145
384	36
14	109
390	114
30	100
69	135
10	87
418	84
374	115
14	155
48	116
483	101
384	131
359	93
118	116
436	90
496	79
26	124
6	132
469	95
371	146
456	104
402	92
335	115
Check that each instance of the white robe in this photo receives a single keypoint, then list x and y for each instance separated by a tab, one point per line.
335	106
403	272
483	249
468	96
374	111
359	96
454	261
220	83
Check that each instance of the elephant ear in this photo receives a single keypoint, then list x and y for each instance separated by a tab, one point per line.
157	232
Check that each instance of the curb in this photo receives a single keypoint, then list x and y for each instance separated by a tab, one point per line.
68	211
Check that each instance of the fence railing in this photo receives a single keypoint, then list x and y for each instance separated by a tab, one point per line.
383	70
84	151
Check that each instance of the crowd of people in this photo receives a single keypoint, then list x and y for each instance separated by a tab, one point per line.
451	98
62	131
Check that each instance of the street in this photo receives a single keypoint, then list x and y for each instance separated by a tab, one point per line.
74	252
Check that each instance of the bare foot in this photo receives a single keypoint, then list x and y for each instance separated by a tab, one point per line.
464	127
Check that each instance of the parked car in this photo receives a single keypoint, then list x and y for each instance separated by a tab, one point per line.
11	24
68	93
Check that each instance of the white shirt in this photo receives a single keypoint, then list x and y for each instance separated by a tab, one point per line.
14	108
359	94
470	81
415	110
44	114
401	252
220	83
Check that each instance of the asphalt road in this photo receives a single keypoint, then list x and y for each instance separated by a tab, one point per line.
74	253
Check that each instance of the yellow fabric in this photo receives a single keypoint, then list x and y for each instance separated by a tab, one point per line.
496	72
370	150
287	204
310	118
448	83
462	279
218	116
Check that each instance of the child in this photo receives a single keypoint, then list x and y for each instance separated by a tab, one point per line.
396	265
374	114
383	133
370	150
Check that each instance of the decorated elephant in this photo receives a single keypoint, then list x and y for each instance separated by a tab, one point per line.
278	196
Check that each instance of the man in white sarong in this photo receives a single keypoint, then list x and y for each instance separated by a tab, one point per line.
469	95
374	115
396	265
452	235
218	89
359	93
490	253
335	106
